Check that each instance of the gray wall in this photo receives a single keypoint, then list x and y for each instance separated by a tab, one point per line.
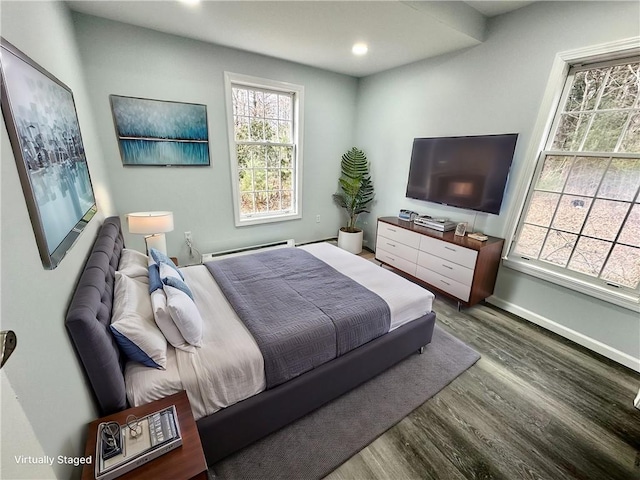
132	61
44	371
495	87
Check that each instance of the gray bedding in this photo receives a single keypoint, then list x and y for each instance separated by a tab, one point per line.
301	312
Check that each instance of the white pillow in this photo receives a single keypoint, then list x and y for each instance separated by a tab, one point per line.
166	323
133	324
134	264
183	310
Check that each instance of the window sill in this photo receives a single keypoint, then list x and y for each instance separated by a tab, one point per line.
257	220
620	298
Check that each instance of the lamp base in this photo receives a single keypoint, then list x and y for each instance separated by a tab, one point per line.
157	241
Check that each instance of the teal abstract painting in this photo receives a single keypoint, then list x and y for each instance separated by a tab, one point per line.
160	133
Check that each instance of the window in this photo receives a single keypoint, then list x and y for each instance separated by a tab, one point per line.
265	141
581	218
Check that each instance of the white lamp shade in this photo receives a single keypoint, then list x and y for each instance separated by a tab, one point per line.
148	223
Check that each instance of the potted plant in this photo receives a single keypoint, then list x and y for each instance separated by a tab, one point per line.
355	193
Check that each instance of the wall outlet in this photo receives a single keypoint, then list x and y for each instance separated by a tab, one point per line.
187	237
317	218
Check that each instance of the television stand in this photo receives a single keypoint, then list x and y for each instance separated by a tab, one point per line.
459	267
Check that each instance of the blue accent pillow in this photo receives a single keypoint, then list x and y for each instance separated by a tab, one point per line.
160	257
133	351
179	284
155	282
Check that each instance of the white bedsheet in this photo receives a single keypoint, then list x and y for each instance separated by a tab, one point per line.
229	367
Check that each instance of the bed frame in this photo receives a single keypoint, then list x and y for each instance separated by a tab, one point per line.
239	425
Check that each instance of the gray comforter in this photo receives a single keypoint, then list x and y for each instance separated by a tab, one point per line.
301	312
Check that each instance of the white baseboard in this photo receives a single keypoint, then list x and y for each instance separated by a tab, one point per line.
636	402
581	339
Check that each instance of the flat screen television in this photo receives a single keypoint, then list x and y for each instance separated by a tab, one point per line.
465	172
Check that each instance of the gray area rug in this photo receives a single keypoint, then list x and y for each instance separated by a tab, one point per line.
320	442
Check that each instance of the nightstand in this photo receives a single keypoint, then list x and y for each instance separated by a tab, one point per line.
185	462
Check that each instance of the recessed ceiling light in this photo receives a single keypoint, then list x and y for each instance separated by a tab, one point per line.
190	2
359	49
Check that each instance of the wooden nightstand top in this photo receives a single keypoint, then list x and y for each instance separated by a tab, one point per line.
185	462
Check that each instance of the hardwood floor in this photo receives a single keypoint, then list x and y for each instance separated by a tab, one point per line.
535	406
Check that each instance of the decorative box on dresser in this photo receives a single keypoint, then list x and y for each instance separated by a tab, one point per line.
459	267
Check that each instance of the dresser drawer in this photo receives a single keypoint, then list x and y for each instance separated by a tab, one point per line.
449	251
395	261
406	237
397	249
445	284
446	268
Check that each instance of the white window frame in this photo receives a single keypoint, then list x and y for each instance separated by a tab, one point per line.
551	101
297	91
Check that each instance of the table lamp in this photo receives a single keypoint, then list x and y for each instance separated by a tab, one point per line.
153	225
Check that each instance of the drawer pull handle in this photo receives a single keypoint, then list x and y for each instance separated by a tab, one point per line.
392	230
445	282
391	244
447	266
452	249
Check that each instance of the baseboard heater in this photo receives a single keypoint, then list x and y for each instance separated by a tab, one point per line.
207	257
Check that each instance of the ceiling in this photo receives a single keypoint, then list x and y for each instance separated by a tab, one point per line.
317	33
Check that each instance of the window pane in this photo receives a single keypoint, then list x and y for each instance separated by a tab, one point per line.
571	130
622	180
284	107
530	241
589	256
558	247
242	128
286	177
258	156
273	179
605	131
287	200
270	105
270	131
585	88
571	213
245	178
260	180
631	140
243	155
541	208
256	104
257	130
630	233
585	175
605	219
246	203
274	201
284	132
622	87
240	101
286	157
261	202
554	173
623	267
273	159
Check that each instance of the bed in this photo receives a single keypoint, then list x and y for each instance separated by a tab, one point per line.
230	427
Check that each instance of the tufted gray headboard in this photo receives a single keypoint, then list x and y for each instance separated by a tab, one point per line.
89	316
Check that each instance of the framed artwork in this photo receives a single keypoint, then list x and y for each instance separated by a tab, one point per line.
42	123
461	229
160	133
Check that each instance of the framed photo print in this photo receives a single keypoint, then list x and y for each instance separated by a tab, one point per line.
461	229
160	133
40	115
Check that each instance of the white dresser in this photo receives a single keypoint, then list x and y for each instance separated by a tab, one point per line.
460	267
